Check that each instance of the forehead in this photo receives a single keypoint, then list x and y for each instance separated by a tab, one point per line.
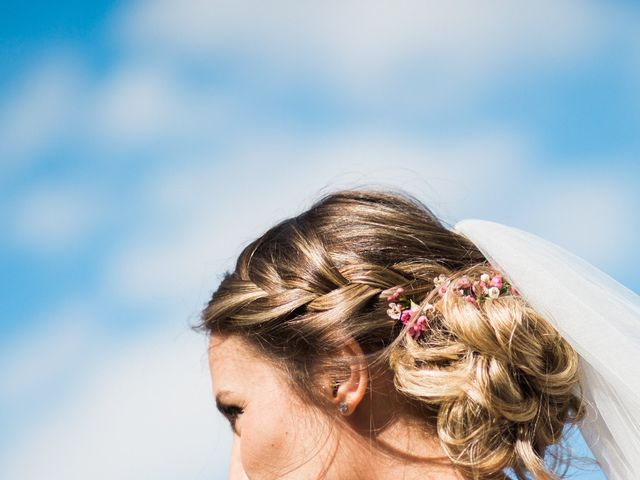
227	350
235	365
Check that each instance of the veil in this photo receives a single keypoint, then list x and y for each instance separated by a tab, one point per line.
597	315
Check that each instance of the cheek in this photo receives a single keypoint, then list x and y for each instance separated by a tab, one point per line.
277	441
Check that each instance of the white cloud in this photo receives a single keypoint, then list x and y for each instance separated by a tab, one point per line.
40	110
53	217
591	213
145	412
136	105
142	105
34	363
215	208
133	105
363	44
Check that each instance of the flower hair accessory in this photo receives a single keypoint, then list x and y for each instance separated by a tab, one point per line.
404	309
489	286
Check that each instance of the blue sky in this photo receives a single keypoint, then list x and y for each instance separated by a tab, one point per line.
142	144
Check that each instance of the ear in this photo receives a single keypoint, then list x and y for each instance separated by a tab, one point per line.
353	383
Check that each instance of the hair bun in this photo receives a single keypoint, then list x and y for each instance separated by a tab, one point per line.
499	379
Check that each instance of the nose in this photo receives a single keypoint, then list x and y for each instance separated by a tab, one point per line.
236	472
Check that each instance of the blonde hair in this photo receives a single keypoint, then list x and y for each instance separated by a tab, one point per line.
496	384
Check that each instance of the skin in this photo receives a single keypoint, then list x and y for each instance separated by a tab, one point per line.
278	436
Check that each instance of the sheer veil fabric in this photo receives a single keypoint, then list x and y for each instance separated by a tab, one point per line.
597	315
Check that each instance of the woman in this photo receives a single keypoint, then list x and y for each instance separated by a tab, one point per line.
362	339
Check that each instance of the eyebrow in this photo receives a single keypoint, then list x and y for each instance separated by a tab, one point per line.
219	397
221	406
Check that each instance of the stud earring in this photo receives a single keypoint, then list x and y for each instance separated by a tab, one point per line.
343	407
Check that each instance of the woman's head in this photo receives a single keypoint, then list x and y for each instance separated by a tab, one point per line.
301	326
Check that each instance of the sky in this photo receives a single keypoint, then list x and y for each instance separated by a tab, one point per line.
143	144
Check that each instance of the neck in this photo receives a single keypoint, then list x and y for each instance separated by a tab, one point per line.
387	443
403	450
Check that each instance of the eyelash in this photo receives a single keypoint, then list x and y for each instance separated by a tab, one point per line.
231	412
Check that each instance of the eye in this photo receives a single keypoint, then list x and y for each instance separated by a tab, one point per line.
231	412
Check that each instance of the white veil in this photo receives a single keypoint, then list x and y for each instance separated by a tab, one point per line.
599	317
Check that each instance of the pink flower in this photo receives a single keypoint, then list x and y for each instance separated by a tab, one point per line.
395	295
442	290
464	282
406	315
419	326
497	281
